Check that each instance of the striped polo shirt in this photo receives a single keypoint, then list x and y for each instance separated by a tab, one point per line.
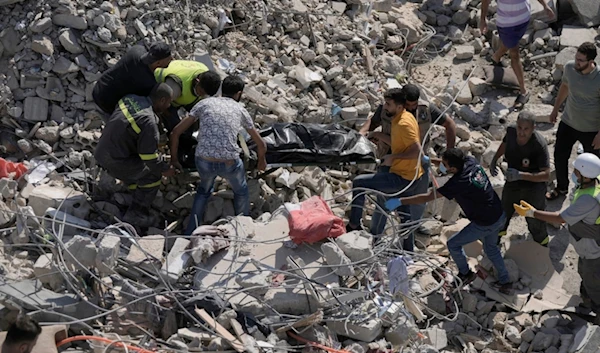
513	12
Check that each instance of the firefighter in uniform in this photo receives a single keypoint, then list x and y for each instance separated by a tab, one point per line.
128	150
190	81
583	218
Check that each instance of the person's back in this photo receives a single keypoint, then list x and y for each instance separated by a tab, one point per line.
21	336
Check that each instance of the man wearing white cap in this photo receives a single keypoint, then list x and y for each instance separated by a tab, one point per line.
583	218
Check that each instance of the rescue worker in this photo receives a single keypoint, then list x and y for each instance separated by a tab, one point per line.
133	74
472	190
526	153
583	218
190	81
128	150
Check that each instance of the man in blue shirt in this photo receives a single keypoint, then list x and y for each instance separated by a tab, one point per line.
472	190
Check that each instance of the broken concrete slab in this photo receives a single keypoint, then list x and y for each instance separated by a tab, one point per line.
31	295
45	271
573	36
336	257
147	250
108	253
366	331
177	260
588	11
36	109
357	245
53	90
541	112
80	251
45	196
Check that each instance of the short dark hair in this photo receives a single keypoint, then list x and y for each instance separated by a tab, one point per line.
160	91
231	85
395	94
526	116
210	82
455	158
588	49
23	330
412	92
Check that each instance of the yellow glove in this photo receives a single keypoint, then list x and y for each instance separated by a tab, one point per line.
524	209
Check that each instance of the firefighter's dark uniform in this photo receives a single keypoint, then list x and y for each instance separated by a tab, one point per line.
128	150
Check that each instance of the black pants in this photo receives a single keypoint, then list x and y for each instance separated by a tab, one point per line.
187	142
534	194
566	137
589	270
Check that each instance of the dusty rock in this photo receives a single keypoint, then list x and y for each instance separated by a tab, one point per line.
336	257
357	245
513	335
464	52
68	40
43	45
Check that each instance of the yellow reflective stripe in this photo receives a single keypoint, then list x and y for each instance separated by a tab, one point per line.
132	186
130	118
545	241
148	156
160	76
147	186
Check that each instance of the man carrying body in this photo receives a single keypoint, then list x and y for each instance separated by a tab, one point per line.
425	113
190	82
403	166
581	118
21	336
128	150
218	154
472	190
526	153
512	19
133	74
583	218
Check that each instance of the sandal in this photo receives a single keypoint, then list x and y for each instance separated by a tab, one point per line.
554	194
521	100
491	61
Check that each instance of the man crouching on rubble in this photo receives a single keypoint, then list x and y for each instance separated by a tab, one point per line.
583	218
472	190
128	150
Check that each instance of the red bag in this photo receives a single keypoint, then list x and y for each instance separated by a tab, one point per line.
6	168
313	221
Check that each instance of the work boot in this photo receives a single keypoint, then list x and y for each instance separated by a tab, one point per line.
467	278
504	288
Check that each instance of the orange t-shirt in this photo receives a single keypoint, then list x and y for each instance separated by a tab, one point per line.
405	132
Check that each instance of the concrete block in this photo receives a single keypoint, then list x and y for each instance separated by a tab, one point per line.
46	196
464	52
257	284
45	271
80	251
177	260
477	86
489	153
541	112
357	245
402	333
296	301
588	11
148	248
573	36
336	257
108	253
436	338
366	331
586	340
36	109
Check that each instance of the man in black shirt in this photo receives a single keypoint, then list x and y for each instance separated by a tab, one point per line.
526	153
133	74
425	113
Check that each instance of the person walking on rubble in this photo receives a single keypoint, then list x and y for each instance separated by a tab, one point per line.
400	170
472	190
512	19
128	150
133	74
190	82
22	335
526	153
583	218
580	121
217	153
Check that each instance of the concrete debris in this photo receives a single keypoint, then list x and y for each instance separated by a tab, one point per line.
357	245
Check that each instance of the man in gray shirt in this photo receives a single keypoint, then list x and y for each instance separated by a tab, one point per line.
583	218
581	118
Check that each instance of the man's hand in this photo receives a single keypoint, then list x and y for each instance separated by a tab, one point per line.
262	164
553	117
549	12
169	172
388	160
494	167
512	175
483	26
175	164
596	142
524	209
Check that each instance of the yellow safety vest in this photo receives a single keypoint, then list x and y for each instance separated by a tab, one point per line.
184	72
593	191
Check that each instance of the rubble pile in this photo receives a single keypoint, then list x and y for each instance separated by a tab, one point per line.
241	284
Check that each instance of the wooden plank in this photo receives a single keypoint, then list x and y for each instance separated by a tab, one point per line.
248	340
310	320
210	321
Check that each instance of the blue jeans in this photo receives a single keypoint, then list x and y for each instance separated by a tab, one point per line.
234	173
386	182
489	236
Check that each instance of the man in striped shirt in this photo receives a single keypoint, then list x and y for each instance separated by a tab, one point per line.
512	21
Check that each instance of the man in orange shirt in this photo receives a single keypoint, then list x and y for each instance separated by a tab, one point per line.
398	170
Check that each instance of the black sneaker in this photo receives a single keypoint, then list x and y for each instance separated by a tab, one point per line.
467	278
505	288
349	228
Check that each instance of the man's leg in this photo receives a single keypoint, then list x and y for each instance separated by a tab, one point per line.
377	181
236	176
536	196
455	245
515	63
589	270
416	211
489	236
510	195
565	139
204	189
499	53
390	183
